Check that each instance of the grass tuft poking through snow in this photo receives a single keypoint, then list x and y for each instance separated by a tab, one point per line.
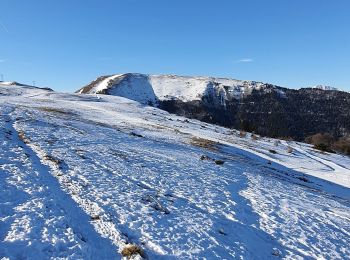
132	250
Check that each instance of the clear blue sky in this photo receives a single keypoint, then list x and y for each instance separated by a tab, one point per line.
65	44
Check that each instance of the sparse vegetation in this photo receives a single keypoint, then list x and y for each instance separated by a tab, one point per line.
204	143
56	110
322	142
289	149
132	250
254	137
242	134
326	143
342	145
23	137
323	147
52	159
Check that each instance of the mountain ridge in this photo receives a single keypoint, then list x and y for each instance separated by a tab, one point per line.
252	106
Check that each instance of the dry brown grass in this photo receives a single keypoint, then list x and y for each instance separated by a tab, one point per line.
343	145
23	137
204	143
322	142
132	250
52	159
56	110
242	134
254	137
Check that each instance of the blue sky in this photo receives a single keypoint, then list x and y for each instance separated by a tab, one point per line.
65	44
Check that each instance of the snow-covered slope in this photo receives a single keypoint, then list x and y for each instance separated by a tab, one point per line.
151	88
8	83
83	176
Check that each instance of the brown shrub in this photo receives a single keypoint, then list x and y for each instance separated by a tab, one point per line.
203	143
319	138
322	142
254	137
52	159
289	149
56	110
131	250
242	134
342	145
23	137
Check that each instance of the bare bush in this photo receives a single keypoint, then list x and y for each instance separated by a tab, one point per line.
53	159
204	143
254	137
343	145
23	137
56	110
242	134
322	142
132	250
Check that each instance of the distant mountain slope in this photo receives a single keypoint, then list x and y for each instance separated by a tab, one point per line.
15	83
156	88
252	106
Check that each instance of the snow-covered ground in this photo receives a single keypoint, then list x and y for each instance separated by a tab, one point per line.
83	176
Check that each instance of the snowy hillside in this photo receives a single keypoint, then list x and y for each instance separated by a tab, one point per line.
153	88
86	176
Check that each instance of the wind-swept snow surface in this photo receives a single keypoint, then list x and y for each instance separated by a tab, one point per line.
84	176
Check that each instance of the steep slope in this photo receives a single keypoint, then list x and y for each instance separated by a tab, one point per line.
84	176
252	106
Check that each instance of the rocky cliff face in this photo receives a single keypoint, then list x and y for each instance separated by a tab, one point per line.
251	106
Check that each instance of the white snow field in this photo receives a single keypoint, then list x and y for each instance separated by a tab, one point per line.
84	176
146	88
